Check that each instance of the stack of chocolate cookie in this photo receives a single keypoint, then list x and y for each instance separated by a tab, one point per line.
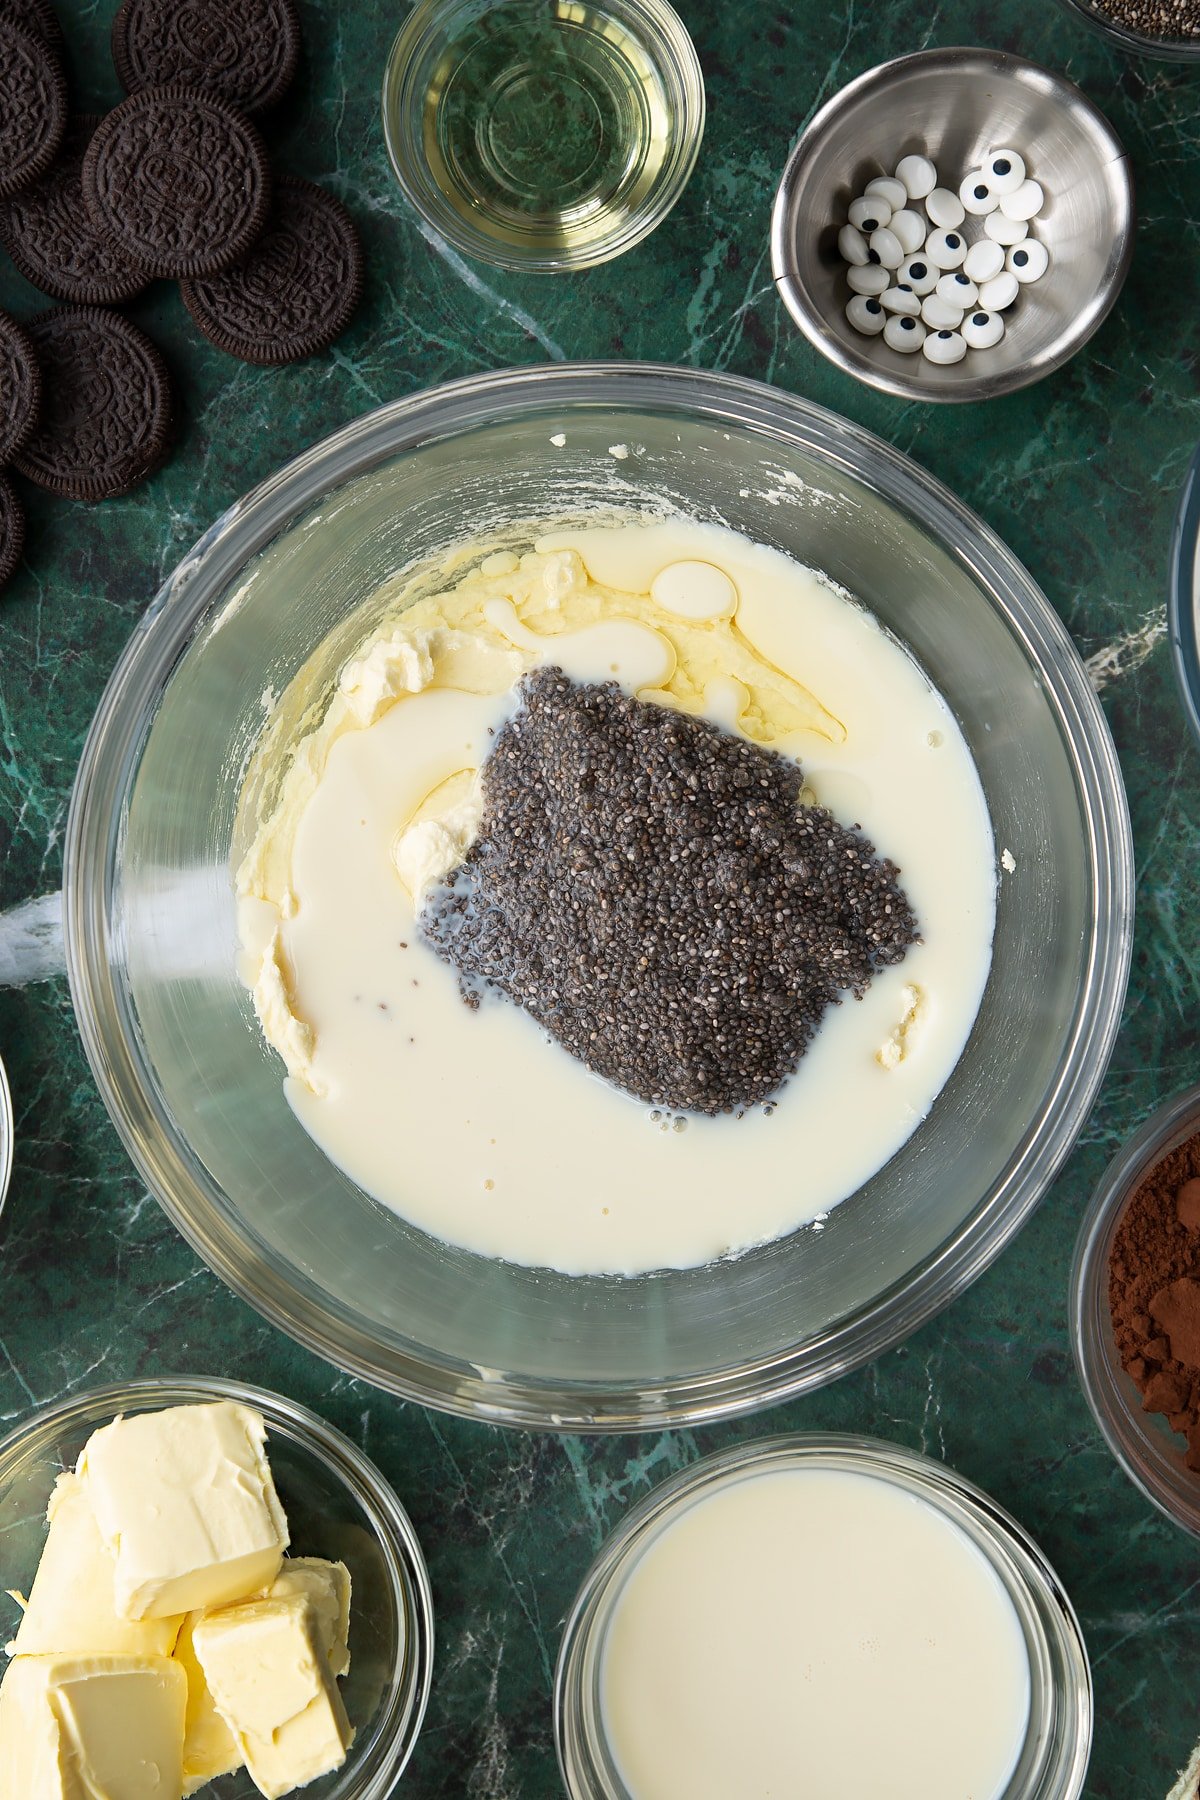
174	183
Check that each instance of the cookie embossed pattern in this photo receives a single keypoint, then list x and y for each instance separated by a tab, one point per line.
243	51
296	290
48	232
107	421
33	107
174	183
179	181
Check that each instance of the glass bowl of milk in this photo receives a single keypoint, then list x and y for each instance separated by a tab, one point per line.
825	1614
288	581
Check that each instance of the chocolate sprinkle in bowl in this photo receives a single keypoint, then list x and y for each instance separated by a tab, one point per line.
151	923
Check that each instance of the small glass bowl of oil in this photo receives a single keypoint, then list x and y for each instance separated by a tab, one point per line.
543	134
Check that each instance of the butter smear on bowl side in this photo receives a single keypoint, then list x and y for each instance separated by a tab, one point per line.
167	1640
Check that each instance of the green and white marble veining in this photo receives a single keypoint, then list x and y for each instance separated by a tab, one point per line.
1080	475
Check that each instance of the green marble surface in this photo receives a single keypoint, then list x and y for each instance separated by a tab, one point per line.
1080	475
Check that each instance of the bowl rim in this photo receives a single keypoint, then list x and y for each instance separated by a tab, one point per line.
936	1483
108	762
674	47
1183	595
7	1135
388	1519
1145	1453
1134	43
812	323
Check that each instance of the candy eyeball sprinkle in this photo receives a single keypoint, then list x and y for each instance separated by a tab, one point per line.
866	315
945	208
1028	261
894	192
870	213
919	274
870	279
984	259
982	330
904	333
999	292
944	347
1025	202
910	228
1004	171
923	282
940	315
1003	230
901	300
918	175
947	249
976	195
884	246
957	290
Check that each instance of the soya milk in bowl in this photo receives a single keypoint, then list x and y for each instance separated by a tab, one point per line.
599	896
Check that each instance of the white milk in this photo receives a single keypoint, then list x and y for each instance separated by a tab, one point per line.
813	1635
480	1129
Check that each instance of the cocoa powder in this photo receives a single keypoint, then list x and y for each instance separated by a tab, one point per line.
1154	1291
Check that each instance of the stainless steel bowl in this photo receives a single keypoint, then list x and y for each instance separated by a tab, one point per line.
954	106
152	938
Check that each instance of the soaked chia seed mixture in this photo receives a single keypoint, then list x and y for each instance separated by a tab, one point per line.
654	894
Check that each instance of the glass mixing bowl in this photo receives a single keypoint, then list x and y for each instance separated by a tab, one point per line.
152	938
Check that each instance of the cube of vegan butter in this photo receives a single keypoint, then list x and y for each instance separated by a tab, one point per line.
209	1746
326	1587
185	1501
72	1608
92	1728
272	1683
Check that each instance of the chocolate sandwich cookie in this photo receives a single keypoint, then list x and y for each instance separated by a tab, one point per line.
296	289
37	17
49	234
20	387
244	51
33	106
12	531
178	181
106	415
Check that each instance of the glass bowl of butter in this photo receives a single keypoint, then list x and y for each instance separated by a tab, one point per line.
209	1590
491	1229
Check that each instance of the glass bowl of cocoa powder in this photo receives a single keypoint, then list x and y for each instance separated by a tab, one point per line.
1135	1308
